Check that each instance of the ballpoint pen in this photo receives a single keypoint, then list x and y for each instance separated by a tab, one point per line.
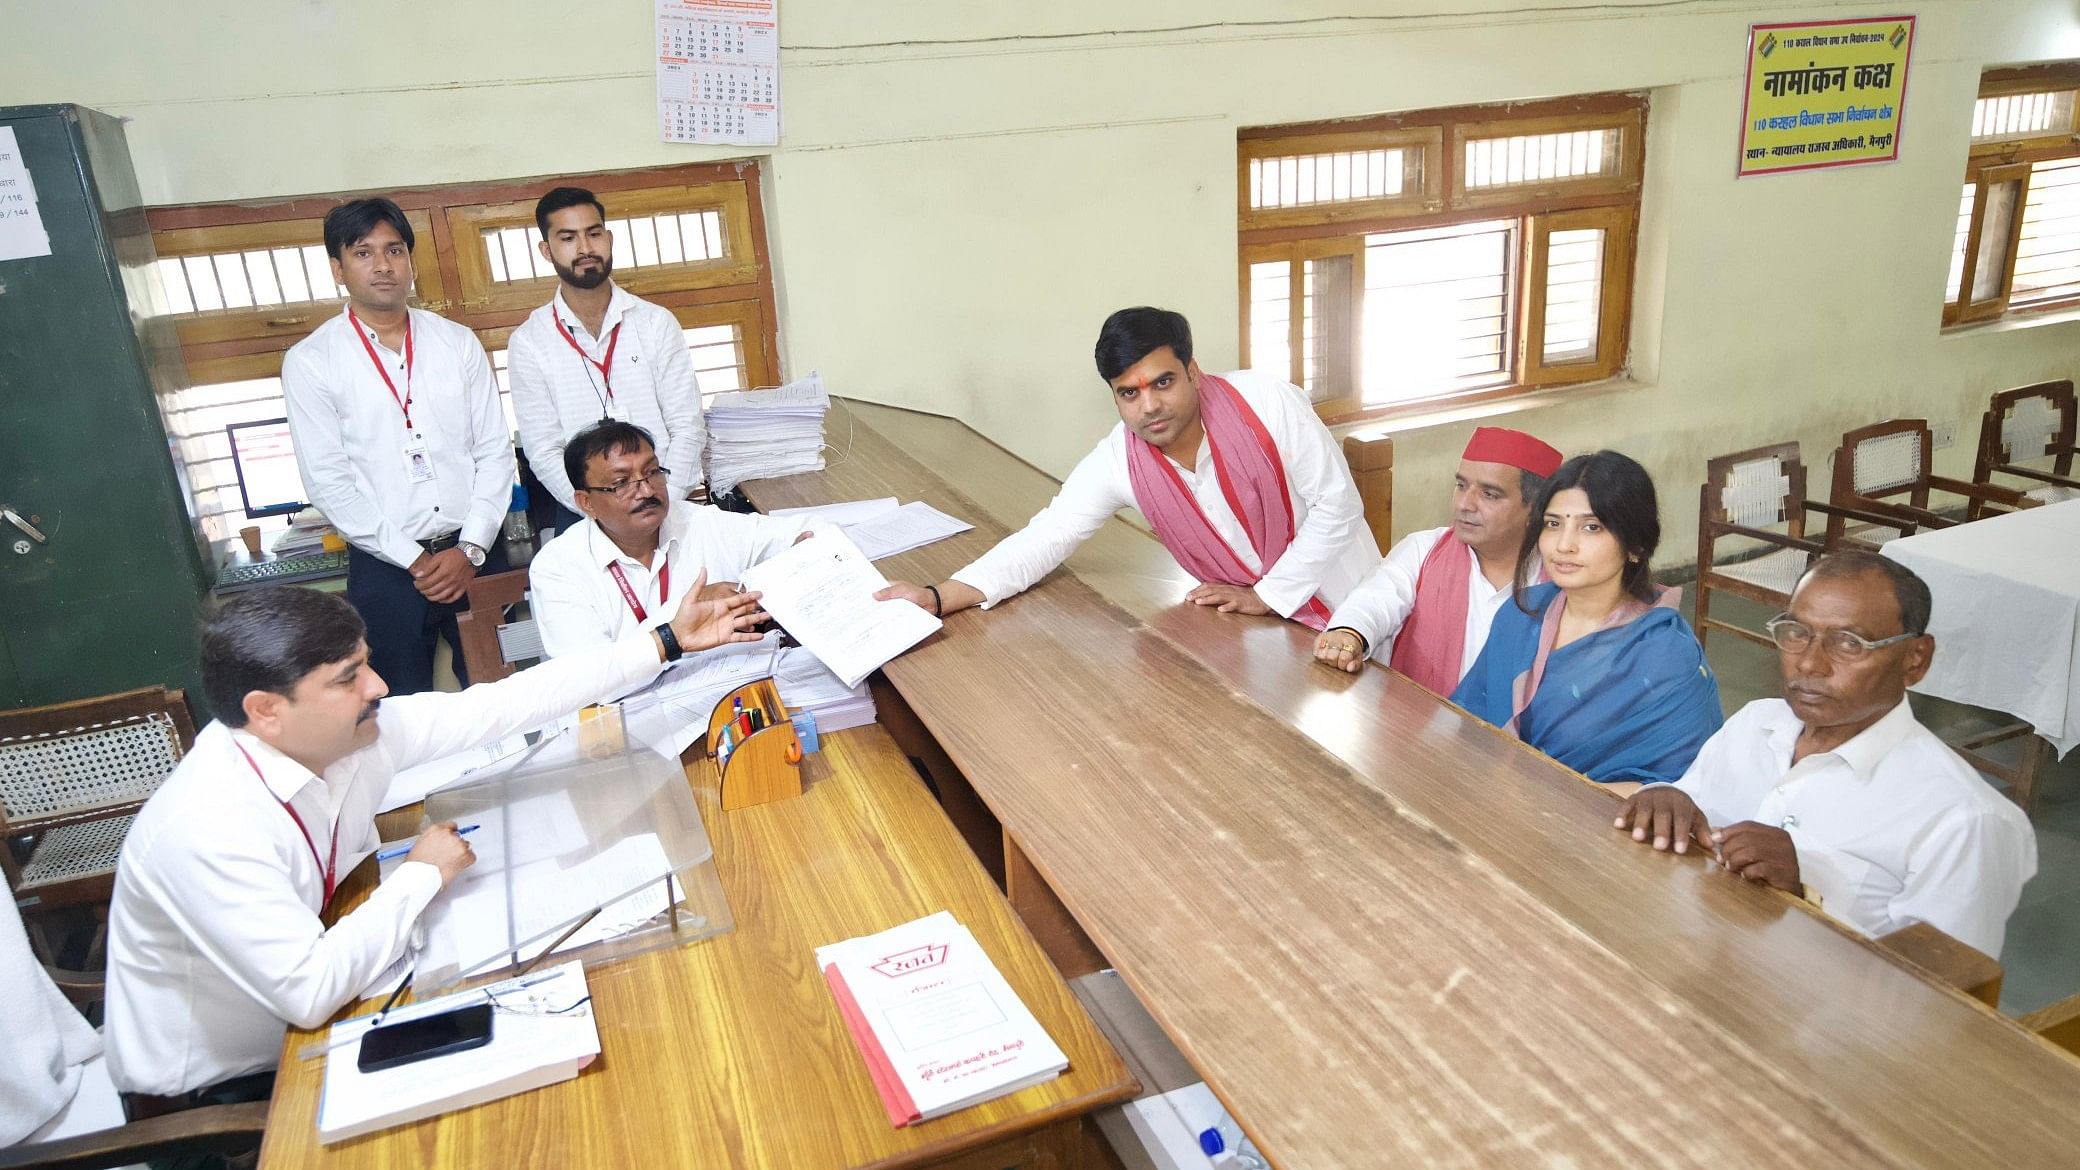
396	851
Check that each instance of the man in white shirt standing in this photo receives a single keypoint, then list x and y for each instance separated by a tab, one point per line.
1426	610
402	444
1835	791
637	553
596	352
1235	473
216	943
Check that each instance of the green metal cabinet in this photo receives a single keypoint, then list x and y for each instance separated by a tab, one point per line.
109	599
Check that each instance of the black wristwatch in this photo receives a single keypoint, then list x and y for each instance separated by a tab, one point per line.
672	652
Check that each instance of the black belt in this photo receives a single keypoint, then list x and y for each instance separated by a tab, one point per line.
444	540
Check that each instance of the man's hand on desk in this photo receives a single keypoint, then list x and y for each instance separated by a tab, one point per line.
953	596
1341	648
1760	853
441	847
703	623
1667	816
1228	599
443	576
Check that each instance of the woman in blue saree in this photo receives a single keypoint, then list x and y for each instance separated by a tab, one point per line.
1595	667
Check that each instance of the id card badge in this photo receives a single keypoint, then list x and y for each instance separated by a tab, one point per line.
418	462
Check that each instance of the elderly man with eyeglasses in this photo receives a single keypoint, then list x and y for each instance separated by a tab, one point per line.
637	552
1835	792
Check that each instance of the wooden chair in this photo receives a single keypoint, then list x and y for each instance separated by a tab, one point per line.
492	639
1886	468
1948	961
72	777
1372	467
2030	422
2059	1023
213	1129
1742	494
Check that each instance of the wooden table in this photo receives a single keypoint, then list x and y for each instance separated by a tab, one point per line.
1385	933
730	1052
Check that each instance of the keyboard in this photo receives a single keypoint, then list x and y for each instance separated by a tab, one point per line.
282	571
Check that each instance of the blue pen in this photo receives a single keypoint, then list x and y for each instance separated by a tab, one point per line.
400	850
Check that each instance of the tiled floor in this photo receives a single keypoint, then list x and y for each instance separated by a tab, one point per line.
2041	958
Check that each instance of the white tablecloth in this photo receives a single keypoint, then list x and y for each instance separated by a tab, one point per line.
2007	615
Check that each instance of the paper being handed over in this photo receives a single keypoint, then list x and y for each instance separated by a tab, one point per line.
822	591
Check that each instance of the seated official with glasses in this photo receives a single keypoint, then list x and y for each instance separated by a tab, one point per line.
626	566
1835	792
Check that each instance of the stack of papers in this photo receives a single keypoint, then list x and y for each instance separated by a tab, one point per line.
933	1018
759	434
542	1032
672	712
822	591
305	534
881	528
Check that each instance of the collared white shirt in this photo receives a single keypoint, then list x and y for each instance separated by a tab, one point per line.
1380	605
215	942
1331	551
352	441
578	604
1892	827
556	393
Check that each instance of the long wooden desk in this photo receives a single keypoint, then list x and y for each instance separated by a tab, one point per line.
1387	934
729	1052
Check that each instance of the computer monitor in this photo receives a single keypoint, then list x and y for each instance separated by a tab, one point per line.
266	463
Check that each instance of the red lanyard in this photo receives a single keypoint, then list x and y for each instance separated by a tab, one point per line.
331	866
606	367
664	587
404	402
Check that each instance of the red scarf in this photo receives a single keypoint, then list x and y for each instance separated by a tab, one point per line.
1431	646
1253	481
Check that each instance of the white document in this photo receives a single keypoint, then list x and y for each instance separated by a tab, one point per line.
21	221
849	512
718	71
913	525
412	785
822	592
542	1032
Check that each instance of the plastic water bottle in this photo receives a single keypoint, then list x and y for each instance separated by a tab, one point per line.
519	530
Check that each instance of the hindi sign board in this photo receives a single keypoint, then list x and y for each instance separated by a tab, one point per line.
1824	93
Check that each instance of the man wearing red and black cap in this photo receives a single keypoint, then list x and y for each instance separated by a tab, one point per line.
1427	608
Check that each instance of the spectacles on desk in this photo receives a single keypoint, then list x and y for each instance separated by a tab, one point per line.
625	489
1793	637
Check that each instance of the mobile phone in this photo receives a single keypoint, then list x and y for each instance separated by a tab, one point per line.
416	1039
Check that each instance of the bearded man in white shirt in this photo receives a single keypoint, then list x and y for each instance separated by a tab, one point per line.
402	444
596	352
1427	609
1235	473
1835	791
638	552
216	944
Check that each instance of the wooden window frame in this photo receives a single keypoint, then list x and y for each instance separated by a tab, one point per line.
1992	164
1610	202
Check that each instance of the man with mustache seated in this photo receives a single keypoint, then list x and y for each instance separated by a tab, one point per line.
1835	791
216	943
1235	473
638	551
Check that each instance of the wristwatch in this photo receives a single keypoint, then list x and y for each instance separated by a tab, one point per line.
475	554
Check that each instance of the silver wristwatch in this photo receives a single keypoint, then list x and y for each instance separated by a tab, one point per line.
475	554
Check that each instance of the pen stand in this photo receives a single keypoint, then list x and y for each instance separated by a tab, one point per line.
764	765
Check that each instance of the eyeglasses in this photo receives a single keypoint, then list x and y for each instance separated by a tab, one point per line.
1793	637
625	489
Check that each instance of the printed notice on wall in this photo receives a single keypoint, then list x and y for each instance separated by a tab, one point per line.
718	71
1824	93
21	223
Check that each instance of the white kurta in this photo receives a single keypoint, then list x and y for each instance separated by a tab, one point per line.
1331	551
556	393
1892	828
48	1042
1380	605
215	943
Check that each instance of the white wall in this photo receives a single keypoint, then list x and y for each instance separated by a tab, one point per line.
953	215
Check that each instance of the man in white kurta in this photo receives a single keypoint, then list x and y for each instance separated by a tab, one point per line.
216	944
597	351
1145	357
1501	474
1836	792
53	1081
